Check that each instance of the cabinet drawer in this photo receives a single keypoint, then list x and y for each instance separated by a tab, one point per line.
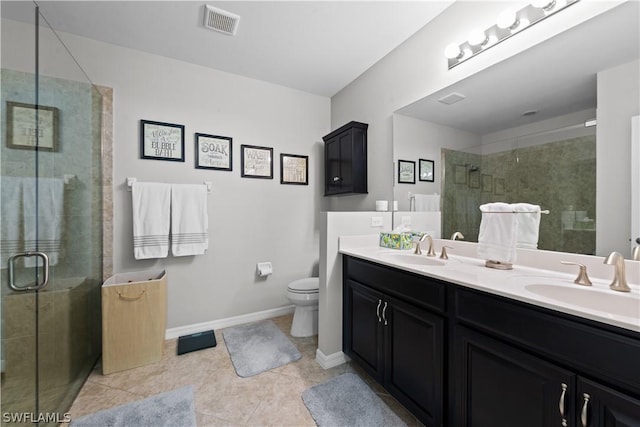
419	290
600	352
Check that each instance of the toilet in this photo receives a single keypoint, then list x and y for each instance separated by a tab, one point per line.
304	294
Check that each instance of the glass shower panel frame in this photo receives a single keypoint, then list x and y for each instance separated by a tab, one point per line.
59	326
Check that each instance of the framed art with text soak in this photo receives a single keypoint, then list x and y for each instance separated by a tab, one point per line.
214	152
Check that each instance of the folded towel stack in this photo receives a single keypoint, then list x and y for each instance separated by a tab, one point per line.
505	227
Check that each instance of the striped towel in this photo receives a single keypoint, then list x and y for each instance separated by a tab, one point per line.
189	220
151	204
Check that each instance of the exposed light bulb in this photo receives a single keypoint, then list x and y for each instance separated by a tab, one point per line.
543	4
477	37
452	51
508	19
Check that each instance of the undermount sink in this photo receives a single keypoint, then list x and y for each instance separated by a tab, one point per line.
410	259
622	304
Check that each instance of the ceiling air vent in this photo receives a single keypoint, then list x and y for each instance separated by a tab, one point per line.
221	20
452	98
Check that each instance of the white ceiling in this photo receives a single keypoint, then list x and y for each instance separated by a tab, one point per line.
554	78
314	46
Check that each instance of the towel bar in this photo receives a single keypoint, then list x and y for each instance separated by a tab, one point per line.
131	180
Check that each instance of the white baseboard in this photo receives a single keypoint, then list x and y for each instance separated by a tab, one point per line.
332	360
229	321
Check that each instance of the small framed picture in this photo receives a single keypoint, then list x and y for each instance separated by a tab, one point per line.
256	162
294	169
487	183
426	170
22	131
161	141
474	179
214	152
406	172
459	174
498	186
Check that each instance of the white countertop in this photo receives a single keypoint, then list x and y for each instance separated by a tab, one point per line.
545	288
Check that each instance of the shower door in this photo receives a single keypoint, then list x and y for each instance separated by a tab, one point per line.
50	237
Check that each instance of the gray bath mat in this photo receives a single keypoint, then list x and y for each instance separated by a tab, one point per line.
347	401
258	347
170	409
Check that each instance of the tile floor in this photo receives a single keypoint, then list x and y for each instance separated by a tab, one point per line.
222	398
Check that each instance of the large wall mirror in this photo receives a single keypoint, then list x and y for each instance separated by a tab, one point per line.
550	126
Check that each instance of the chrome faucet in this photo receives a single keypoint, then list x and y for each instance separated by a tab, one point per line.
619	281
457	235
635	255
430	251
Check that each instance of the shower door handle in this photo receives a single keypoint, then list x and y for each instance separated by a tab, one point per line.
45	273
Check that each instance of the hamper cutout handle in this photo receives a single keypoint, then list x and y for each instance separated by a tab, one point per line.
125	298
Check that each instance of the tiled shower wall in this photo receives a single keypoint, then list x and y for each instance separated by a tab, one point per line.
559	176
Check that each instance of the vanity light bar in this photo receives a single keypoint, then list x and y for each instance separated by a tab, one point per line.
508	24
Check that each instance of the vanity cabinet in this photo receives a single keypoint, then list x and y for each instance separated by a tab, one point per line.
396	339
345	160
517	364
457	356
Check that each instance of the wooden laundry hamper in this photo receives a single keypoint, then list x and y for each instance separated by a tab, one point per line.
134	319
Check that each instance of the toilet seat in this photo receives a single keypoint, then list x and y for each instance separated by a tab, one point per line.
304	286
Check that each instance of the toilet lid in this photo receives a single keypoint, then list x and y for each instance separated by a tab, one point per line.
309	285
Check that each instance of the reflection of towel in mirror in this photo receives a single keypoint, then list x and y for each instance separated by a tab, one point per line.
189	220
11	219
47	236
497	234
528	220
151	204
427	202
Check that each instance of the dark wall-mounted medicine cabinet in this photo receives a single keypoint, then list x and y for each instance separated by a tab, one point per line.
345	160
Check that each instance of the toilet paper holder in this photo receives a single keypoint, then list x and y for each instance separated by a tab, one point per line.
264	269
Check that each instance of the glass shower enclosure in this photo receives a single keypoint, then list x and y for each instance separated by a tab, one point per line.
51	222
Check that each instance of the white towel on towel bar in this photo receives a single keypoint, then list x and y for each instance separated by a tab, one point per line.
47	236
151	204
11	219
427	202
189	220
528	219
498	232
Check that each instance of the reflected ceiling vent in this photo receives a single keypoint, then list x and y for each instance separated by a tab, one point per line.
452	98
220	20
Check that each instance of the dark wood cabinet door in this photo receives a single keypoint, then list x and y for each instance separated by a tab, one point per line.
363	328
414	359
332	172
600	406
501	386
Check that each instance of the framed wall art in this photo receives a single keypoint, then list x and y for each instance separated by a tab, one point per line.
22	131
426	170
487	183
256	162
406	172
214	152
161	141
294	169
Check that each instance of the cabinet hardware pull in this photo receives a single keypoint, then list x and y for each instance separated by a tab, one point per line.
583	414
384	313
336	178
378	310
561	403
